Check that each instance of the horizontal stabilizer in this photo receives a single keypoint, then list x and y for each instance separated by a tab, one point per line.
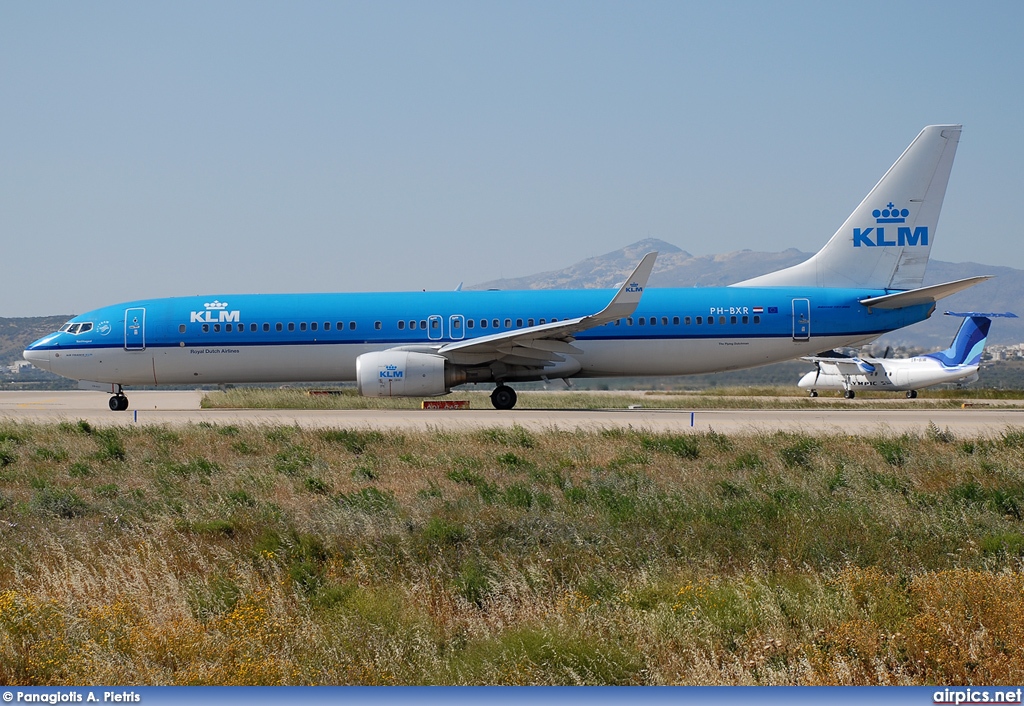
922	295
987	315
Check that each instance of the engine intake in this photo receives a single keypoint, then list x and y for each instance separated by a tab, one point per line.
404	374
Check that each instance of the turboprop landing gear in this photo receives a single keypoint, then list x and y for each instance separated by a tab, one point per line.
118	403
911	394
849	394
503	397
814	393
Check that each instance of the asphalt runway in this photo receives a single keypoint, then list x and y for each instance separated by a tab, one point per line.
182	407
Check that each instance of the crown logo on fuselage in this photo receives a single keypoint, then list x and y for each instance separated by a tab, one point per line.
215	312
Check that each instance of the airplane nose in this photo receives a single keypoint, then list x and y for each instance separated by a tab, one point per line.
38	358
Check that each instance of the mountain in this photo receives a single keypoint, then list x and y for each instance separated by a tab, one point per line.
678	268
16	333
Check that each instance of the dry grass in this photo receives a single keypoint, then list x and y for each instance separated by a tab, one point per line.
277	555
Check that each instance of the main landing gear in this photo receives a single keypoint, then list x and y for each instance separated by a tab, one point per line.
503	397
911	394
119	403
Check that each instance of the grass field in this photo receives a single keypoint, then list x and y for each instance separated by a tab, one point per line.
716	398
276	555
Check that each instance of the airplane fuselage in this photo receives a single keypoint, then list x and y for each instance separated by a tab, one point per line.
892	375
317	337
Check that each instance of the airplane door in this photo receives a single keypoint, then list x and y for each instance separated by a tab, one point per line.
435	327
456	327
801	319
135	329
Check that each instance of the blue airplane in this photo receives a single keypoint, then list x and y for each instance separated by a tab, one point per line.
959	363
864	282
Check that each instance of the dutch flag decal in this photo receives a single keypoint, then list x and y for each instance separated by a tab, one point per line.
758	309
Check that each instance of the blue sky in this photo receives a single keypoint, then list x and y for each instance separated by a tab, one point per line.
158	149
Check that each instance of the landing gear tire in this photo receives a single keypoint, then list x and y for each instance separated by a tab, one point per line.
118	403
814	393
503	397
911	394
849	394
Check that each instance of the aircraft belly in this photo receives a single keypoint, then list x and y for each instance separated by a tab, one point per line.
690	356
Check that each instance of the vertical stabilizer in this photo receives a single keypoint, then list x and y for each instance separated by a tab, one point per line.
886	241
968	344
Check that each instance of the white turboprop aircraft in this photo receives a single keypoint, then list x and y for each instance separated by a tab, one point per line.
958	363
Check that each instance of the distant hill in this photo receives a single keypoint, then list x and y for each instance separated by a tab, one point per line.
678	268
16	333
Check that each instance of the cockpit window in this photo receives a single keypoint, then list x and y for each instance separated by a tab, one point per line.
77	329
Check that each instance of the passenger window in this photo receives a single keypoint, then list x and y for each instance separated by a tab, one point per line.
641	321
495	323
412	325
181	328
266	327
302	326
508	323
291	326
675	320
732	320
700	320
352	325
629	321
757	319
312	326
469	323
519	323
216	328
711	320
206	328
341	326
423	324
401	325
434	323
746	319
327	326
529	322
456	324
483	323
377	325
541	322
279	326
654	321
686	320
721	320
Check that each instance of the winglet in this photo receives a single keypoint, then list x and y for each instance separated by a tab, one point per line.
625	301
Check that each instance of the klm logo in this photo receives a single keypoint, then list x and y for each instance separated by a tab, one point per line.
634	287
876	237
215	313
391	372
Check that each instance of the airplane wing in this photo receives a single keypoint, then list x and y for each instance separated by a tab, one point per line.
546	344
843	365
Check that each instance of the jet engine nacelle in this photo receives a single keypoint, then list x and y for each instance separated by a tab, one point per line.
401	374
